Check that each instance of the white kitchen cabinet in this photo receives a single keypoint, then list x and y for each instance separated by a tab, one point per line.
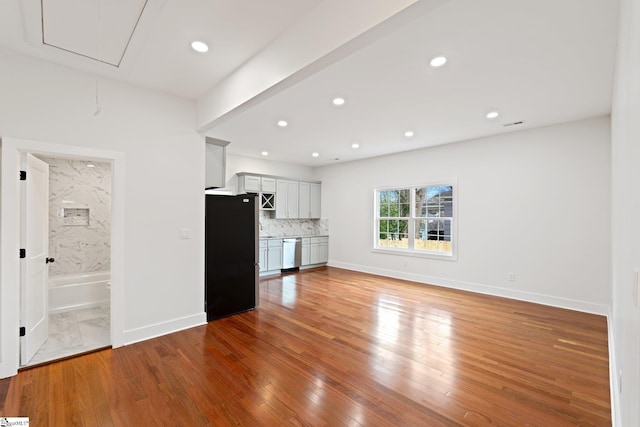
262	255
256	184
267	184
309	200
319	250
270	253
304	193
314	200
263	185
306	251
274	254
287	193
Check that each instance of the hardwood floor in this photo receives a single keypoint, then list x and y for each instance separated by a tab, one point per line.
331	347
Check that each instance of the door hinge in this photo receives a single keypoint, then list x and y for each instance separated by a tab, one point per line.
23	253
23	331
23	175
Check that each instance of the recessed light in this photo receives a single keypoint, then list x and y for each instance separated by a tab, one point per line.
315	154
355	145
438	61
408	134
199	46
265	153
282	123
338	101
492	115
91	165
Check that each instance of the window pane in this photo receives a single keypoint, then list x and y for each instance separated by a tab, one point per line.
447	208
433	235
433	211
439	191
420	203
405	210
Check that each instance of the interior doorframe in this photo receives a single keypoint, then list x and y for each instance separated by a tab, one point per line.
10	217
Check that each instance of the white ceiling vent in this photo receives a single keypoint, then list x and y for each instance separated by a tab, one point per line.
513	123
96	29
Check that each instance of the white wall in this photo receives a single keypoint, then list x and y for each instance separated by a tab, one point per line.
534	203
625	334
164	180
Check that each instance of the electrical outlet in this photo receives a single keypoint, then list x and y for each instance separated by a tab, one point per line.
512	277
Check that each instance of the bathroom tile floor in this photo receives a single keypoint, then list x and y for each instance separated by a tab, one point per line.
74	332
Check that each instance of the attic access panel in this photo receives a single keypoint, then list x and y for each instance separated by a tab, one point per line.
96	29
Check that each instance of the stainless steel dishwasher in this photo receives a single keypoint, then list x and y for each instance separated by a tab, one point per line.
291	253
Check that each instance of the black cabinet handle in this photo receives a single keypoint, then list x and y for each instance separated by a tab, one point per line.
48	260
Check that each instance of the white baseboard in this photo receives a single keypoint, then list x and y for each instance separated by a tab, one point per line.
164	328
559	302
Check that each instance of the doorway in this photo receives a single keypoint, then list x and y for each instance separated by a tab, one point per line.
79	235
12	150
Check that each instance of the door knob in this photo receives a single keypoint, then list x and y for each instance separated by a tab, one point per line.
48	260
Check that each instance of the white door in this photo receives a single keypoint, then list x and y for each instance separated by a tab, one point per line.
35	238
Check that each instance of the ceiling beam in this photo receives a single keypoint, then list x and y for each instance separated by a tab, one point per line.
331	31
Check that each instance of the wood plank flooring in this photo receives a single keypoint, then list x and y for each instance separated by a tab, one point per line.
331	347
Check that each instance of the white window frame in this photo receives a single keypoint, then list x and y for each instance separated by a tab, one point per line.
410	251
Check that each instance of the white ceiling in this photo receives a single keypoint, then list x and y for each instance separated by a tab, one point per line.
541	62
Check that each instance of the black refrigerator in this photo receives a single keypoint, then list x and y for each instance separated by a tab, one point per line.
231	253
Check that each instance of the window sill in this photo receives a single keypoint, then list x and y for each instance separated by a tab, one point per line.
416	254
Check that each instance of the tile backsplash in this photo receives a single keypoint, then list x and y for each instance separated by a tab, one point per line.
79	216
292	227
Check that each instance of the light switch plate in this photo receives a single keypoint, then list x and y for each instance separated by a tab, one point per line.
185	233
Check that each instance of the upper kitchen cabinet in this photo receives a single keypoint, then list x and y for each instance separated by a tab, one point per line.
290	199
309	200
287	196
265	186
256	184
314	200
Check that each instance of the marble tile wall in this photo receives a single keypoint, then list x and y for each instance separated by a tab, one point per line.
291	227
79	248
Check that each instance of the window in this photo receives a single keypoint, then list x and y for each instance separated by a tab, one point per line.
418	219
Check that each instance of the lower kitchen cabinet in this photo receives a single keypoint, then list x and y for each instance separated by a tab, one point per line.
270	255
262	255
274	255
318	250
306	251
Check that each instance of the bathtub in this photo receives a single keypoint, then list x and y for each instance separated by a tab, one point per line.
80	290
